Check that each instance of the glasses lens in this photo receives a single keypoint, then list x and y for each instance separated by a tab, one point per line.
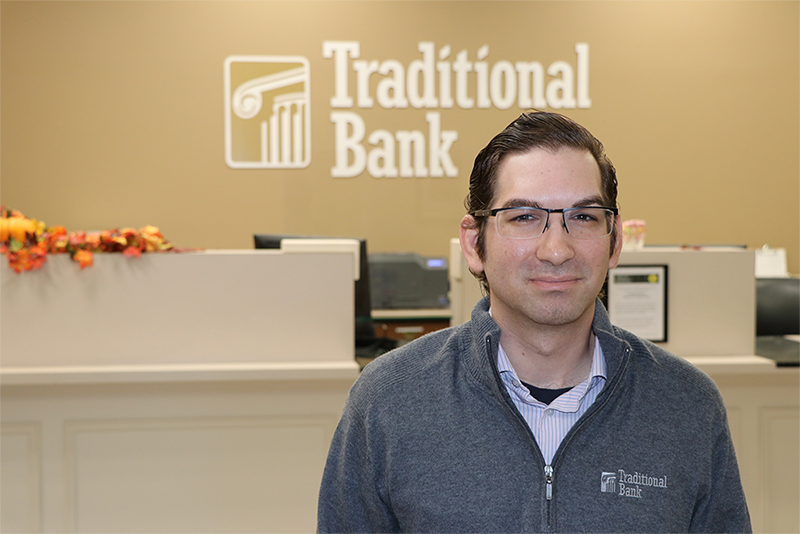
585	223
521	223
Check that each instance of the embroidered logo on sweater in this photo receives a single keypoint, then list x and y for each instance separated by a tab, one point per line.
633	485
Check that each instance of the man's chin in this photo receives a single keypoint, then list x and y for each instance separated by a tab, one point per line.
559	314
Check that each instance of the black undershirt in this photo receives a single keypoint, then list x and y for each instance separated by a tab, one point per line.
545	395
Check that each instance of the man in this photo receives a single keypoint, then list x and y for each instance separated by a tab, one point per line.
537	415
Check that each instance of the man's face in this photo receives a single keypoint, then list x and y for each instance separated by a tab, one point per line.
553	279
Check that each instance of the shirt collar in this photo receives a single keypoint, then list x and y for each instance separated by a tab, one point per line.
598	368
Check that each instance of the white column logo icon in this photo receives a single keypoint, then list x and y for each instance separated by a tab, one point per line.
267	112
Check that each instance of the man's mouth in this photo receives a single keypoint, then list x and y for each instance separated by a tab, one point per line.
555	283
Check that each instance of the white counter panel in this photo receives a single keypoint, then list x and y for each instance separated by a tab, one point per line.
207	307
191	392
244	456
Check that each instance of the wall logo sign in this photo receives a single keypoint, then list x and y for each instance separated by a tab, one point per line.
267	112
267	105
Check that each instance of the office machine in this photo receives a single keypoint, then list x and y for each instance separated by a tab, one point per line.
408	281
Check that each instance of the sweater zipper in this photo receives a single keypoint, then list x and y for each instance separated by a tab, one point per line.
548	478
549	472
548	469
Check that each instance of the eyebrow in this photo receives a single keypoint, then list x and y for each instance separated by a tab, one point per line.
527	203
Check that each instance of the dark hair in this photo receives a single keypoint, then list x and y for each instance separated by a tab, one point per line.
538	129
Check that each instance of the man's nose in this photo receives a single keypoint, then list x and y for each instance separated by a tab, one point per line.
555	245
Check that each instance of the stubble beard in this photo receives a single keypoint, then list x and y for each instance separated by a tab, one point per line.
549	308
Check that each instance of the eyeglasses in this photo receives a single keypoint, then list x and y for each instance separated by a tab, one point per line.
529	223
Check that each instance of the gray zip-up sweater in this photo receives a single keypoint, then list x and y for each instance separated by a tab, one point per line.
430	441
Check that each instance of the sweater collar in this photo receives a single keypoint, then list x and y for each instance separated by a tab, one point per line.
482	359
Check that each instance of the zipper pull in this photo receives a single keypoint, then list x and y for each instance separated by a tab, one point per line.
548	478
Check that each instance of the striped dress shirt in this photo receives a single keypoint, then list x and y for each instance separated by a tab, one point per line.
550	424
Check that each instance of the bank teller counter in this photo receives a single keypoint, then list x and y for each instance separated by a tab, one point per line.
710	319
192	392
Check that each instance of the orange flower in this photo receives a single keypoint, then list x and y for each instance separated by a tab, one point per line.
132	252
27	259
38	255
19	261
93	240
53	235
76	239
128	232
153	239
84	258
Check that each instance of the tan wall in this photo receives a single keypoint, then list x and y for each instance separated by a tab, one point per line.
113	115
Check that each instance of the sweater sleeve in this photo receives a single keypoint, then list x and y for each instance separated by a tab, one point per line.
350	498
723	507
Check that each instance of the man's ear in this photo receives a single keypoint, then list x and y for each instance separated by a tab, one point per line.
614	259
468	237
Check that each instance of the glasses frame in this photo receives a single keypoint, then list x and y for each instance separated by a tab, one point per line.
563	211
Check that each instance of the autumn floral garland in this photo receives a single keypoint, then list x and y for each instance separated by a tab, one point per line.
27	242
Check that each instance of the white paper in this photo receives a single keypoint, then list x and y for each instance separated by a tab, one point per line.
637	300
